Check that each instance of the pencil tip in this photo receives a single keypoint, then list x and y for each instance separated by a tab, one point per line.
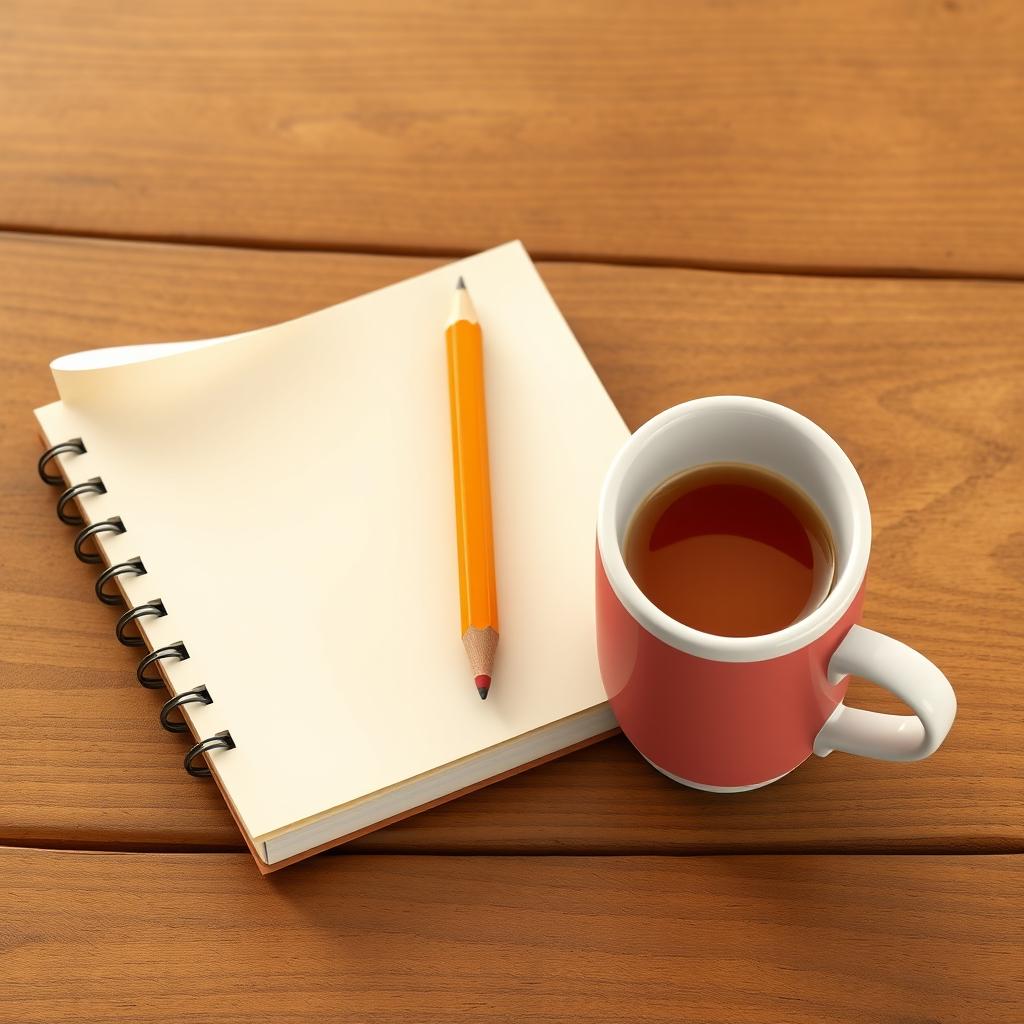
460	283
483	686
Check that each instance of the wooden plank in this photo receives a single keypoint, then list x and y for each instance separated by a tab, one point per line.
844	135
169	937
920	381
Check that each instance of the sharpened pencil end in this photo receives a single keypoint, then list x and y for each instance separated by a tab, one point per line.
483	685
460	283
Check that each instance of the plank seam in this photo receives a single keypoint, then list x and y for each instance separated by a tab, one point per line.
892	273
981	848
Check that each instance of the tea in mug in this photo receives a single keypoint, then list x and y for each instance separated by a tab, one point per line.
731	549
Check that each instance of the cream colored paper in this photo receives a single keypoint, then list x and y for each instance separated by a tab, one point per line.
290	491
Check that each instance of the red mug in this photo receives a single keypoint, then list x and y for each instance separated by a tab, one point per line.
728	714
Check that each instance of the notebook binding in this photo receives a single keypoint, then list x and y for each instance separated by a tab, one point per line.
153	608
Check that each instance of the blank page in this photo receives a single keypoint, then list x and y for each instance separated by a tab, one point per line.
290	492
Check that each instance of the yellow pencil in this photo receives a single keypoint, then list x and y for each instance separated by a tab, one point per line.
474	531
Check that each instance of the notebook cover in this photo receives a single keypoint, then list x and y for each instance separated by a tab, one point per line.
180	431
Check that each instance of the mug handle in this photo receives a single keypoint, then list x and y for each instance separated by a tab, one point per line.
902	671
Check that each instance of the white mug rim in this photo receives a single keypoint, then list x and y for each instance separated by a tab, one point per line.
724	648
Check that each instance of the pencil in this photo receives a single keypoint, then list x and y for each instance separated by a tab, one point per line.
474	531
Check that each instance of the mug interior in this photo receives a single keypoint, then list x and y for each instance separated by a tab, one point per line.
759	433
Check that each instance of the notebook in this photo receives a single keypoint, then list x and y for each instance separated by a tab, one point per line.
286	502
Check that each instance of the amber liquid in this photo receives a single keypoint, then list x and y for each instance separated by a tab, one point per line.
731	549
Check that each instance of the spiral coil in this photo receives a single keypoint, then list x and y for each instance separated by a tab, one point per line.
176	650
197	695
132	567
218	741
75	491
93	555
111	525
154	608
55	479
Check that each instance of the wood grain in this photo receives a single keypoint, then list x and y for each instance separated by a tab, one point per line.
906	940
842	135
920	381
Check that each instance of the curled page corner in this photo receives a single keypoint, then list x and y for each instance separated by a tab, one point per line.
104	377
123	355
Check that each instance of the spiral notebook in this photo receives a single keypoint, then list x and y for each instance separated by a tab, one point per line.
272	512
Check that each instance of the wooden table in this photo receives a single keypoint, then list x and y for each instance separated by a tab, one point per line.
817	204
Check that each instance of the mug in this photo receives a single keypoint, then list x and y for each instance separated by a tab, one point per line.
728	714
